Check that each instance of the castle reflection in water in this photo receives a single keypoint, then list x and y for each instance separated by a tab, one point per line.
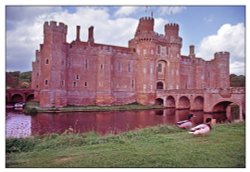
21	125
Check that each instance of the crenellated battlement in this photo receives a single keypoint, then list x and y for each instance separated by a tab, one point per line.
172	25
172	29
54	26
220	55
146	18
146	24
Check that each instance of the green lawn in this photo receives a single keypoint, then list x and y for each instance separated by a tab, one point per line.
161	146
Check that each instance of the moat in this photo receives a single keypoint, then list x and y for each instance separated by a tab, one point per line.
112	122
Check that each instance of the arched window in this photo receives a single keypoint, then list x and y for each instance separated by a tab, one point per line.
159	86
159	67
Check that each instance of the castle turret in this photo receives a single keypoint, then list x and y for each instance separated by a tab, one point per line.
222	69
172	29
145	47
54	32
53	65
146	24
172	35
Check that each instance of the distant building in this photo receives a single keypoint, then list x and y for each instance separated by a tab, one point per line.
89	73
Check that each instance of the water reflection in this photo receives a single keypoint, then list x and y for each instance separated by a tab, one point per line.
20	125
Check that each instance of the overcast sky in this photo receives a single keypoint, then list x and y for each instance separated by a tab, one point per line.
209	28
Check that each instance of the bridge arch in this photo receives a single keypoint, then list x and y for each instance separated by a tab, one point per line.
17	97
29	97
232	109
184	102
159	101
170	102
198	103
221	106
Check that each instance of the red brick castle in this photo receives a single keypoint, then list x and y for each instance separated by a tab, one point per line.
89	73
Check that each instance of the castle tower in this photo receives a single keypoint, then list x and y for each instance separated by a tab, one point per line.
222	69
174	54
146	25
145	47
172	34
53	65
35	76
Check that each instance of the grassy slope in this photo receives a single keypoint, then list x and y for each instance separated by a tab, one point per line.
162	146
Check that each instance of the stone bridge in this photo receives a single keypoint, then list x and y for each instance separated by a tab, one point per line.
208	100
19	95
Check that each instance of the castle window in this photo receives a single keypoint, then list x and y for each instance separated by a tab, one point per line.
37	86
62	82
159	85
85	84
119	67
158	49
133	83
86	64
74	84
101	66
37	74
47	61
159	67
77	77
151	70
46	82
163	51
129	67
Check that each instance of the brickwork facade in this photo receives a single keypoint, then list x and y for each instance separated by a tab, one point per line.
89	73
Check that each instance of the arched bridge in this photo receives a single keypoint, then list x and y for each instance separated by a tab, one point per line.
208	100
19	95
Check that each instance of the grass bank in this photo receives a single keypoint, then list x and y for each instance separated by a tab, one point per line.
33	107
161	146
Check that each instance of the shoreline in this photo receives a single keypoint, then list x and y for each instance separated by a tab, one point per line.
32	108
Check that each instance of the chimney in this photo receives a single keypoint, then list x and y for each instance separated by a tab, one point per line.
191	50
91	34
78	33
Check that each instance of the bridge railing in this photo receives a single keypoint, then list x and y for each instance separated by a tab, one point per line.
231	90
181	91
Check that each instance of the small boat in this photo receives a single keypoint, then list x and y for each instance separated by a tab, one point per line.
19	105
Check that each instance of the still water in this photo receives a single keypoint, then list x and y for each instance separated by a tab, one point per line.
21	125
